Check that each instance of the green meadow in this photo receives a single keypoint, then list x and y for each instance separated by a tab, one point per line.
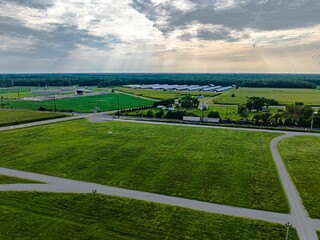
103	102
12	117
283	95
301	156
213	165
31	215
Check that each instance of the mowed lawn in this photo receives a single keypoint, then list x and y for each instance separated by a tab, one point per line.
31	215
283	95
104	102
302	158
12	117
13	180
222	166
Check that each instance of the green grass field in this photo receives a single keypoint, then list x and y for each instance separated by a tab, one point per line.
12	180
222	166
283	95
104	102
31	215
12	117
301	155
160	94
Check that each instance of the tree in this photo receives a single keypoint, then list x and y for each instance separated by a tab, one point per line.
258	103
150	114
213	114
189	102
159	114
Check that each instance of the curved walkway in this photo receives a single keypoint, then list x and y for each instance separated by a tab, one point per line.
299	217
301	220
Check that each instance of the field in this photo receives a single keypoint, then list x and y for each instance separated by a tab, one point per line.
301	155
221	166
159	94
12	117
30	215
283	95
104	102
12	180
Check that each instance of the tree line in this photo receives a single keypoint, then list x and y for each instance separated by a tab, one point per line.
106	80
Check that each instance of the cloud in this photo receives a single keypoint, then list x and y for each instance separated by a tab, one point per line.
155	35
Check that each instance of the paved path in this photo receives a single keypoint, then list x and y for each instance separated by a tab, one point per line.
305	226
301	220
56	184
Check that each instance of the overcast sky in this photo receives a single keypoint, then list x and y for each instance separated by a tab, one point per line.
160	36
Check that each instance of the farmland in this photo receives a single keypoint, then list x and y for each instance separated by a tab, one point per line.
75	216
103	102
12	117
283	95
160	94
303	164
204	164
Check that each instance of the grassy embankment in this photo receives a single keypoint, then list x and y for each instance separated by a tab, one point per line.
104	102
13	117
32	215
214	165
301	155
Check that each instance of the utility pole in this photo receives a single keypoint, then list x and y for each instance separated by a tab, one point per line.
118	107
54	102
1	101
94	204
288	228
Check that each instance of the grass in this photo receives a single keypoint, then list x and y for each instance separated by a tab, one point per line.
283	95
13	117
301	156
213	165
104	102
75	216
160	94
12	180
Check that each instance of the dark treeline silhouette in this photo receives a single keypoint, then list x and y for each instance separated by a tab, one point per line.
105	80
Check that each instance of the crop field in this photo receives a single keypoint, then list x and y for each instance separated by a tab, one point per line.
283	95
221	166
84	216
12	117
301	155
103	102
159	94
12	180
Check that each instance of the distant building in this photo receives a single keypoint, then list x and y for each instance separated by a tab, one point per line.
80	91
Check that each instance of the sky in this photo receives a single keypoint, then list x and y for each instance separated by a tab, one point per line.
212	36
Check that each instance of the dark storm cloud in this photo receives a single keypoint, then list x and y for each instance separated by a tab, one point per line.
256	14
50	44
210	34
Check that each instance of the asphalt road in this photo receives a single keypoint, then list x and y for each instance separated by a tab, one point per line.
305	226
